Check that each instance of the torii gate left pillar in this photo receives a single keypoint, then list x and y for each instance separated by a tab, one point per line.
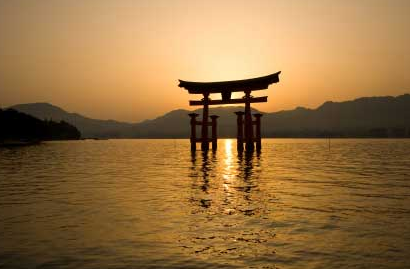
204	139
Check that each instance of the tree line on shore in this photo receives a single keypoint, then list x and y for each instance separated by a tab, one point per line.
18	126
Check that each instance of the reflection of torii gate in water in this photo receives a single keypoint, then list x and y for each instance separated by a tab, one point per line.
225	88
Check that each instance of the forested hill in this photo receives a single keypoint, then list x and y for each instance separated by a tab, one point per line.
18	126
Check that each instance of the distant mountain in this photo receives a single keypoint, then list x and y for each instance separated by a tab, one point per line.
87	126
363	117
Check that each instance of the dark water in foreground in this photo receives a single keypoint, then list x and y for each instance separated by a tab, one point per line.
151	204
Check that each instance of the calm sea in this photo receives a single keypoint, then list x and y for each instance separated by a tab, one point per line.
152	204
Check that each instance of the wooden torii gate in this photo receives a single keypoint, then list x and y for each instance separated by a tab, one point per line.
225	88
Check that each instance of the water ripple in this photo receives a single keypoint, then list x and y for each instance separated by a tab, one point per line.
153	204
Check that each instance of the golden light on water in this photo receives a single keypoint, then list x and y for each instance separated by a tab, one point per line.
229	166
228	147
228	175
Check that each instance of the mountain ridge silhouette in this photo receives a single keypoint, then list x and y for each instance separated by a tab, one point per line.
380	116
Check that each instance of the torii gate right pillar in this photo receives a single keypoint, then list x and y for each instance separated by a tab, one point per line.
204	130
258	131
249	146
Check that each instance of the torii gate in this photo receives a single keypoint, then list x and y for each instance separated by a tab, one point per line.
225	88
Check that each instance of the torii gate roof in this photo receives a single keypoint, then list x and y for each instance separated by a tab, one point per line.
253	84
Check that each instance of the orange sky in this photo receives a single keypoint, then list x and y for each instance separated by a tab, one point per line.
122	59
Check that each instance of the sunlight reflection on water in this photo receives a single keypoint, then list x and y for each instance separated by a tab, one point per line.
154	204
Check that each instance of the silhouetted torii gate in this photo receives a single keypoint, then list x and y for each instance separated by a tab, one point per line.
225	88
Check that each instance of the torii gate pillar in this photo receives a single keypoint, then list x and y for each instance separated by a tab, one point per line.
204	131
248	123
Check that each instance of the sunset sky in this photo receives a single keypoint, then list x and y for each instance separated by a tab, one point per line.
122	59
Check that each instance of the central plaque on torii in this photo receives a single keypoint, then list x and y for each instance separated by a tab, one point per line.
245	130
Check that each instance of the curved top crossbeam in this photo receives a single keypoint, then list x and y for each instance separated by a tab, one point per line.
252	84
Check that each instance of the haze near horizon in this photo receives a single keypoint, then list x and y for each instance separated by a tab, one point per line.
122	60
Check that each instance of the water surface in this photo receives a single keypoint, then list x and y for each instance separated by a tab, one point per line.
152	204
